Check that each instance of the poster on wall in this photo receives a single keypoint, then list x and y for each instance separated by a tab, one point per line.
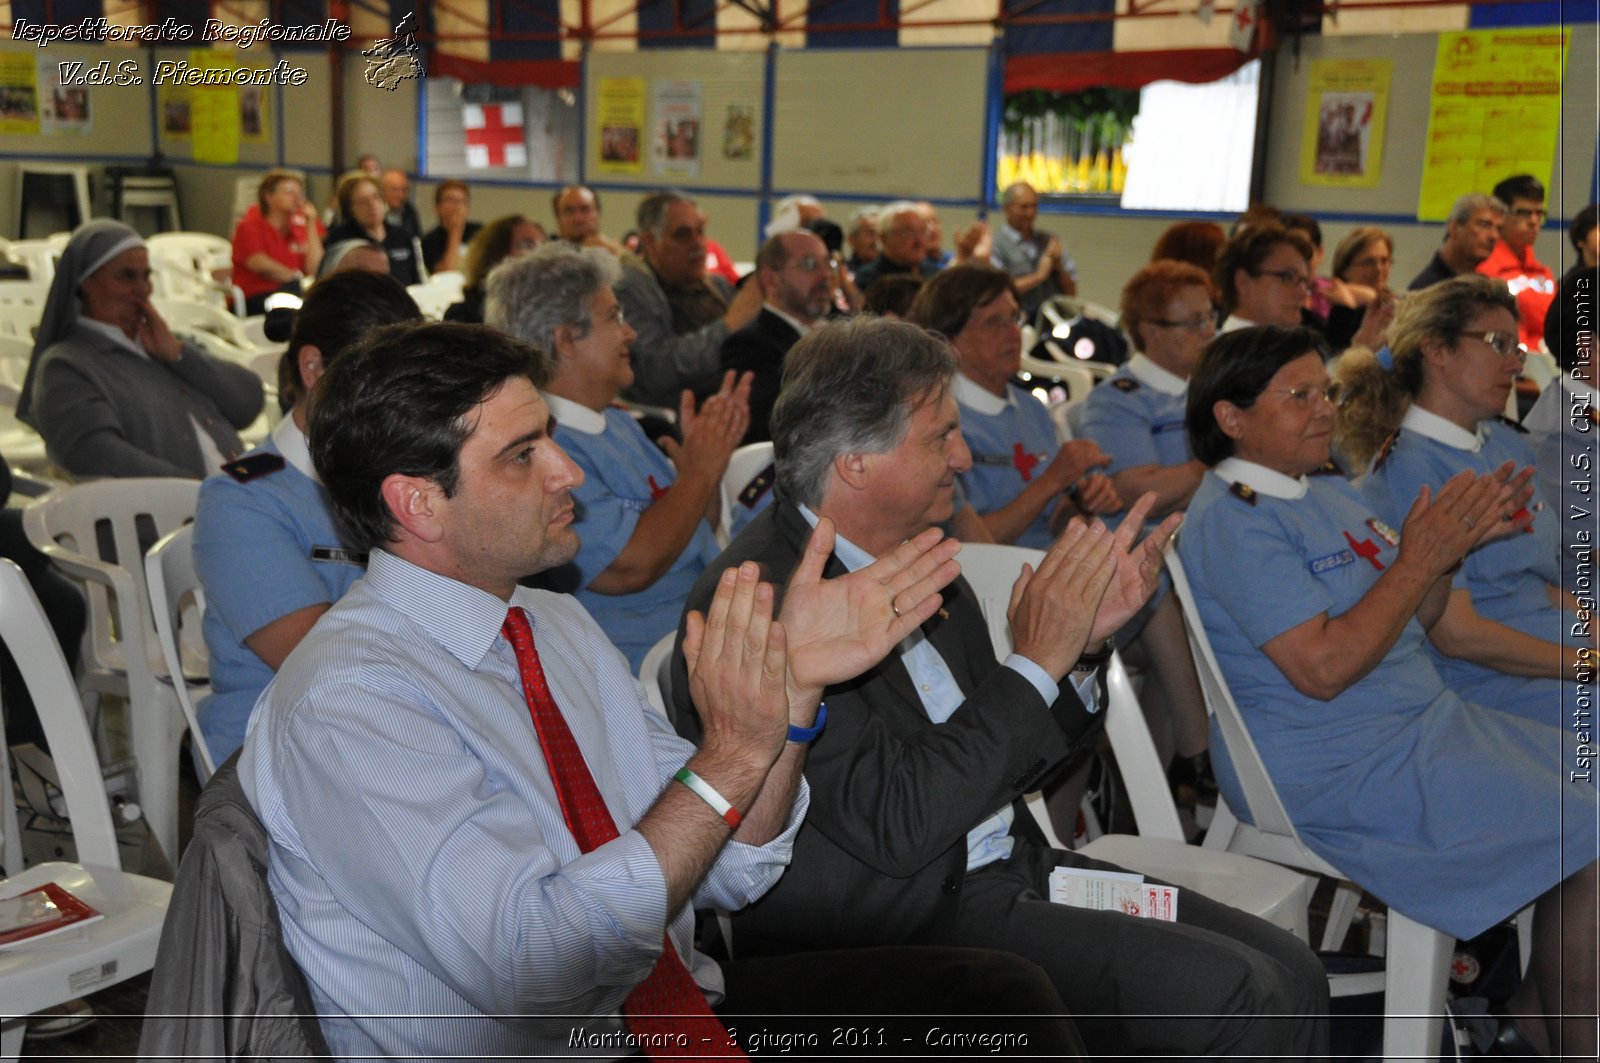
494	135
62	108
19	94
255	113
739	132
677	128
214	111
174	103
1346	105
1495	111
619	111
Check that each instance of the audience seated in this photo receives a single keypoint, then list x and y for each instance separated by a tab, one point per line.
1451	812
1570	323
1361	262
353	254
577	211
643	522
1428	414
398	210
267	548
917	831
1195	242
892	296
509	237
361	208
861	232
1470	235
680	313
1036	260
1513	261
110	388
278	242
444	246
973	244
1262	276
902	243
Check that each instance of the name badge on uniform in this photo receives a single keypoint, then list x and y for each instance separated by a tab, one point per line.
339	555
1329	562
998	460
1163	427
638	505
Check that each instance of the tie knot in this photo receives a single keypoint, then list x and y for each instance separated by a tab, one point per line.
516	629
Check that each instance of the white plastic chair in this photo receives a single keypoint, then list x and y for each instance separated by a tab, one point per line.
650	671
742	468
1277	895
178	604
433	298
21	308
95	533
39	257
21	445
195	266
76	962
1417	968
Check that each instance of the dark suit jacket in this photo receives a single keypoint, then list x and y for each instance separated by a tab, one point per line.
759	348
882	855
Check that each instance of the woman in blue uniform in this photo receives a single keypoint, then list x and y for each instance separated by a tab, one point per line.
644	522
266	545
1454	814
1430	409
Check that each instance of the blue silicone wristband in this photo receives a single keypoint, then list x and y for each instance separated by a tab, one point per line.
806	735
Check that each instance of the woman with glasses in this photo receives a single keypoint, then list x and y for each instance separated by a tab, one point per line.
1263	275
1424	411
1361	263
1452	813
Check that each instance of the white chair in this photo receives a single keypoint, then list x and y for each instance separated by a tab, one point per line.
21	445
1277	895
39	257
178	603
433	299
69	965
1417	968
742	468
186	317
651	670
96	533
195	266
21	309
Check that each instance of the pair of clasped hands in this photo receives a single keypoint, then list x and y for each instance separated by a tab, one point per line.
752	675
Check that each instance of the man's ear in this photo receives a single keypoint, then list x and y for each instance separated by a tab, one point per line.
851	469
416	503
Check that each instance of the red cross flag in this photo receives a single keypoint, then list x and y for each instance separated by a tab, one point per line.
494	135
1242	30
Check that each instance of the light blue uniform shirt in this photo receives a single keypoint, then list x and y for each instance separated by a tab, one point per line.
624	473
1137	417
263	549
423	869
941	696
1011	440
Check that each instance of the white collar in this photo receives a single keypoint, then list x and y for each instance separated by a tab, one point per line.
1234	322
1156	378
851	556
980	398
1582	389
575	415
113	333
792	322
291	443
1440	430
1265	481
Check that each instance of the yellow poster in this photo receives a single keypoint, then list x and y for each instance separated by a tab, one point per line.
1495	112
19	94
214	111
1346	104
619	118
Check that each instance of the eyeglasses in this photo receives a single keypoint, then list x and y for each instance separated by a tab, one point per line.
614	316
1332	394
810	262
1538	213
1287	276
999	323
1198	323
1372	262
1505	344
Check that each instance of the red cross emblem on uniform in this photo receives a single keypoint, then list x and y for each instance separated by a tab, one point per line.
656	490
1023	461
1365	548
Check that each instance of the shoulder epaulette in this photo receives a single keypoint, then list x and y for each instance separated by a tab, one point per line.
1125	383
253	466
1385	450
1503	419
758	486
1327	468
1243	491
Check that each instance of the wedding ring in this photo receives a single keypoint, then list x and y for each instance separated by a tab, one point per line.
1468	521
895	607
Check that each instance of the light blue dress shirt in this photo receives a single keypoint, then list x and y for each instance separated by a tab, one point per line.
427	882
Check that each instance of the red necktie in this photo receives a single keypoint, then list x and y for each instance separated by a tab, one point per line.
667	1007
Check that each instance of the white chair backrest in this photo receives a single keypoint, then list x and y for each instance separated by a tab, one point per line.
21	309
15	353
39	257
27	634
1266	809
742	468
650	672
991	570
434	299
178	604
187	316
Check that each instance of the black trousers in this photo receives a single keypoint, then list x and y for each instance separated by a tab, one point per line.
896	1002
64	607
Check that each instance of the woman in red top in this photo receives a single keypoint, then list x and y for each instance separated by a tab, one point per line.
278	242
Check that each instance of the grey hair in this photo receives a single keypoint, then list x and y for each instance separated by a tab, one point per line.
652	214
861	215
887	215
1470	204
798	200
1011	192
848	388
533	296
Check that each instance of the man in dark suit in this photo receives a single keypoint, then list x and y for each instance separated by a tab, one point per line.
917	831
795	273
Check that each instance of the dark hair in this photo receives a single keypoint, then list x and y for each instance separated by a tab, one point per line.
1521	186
398	404
1355	241
1583	223
848	387
1195	242
1246	250
946	302
1304	223
489	248
338	311
1148	292
346	190
894	294
1236	367
446	185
